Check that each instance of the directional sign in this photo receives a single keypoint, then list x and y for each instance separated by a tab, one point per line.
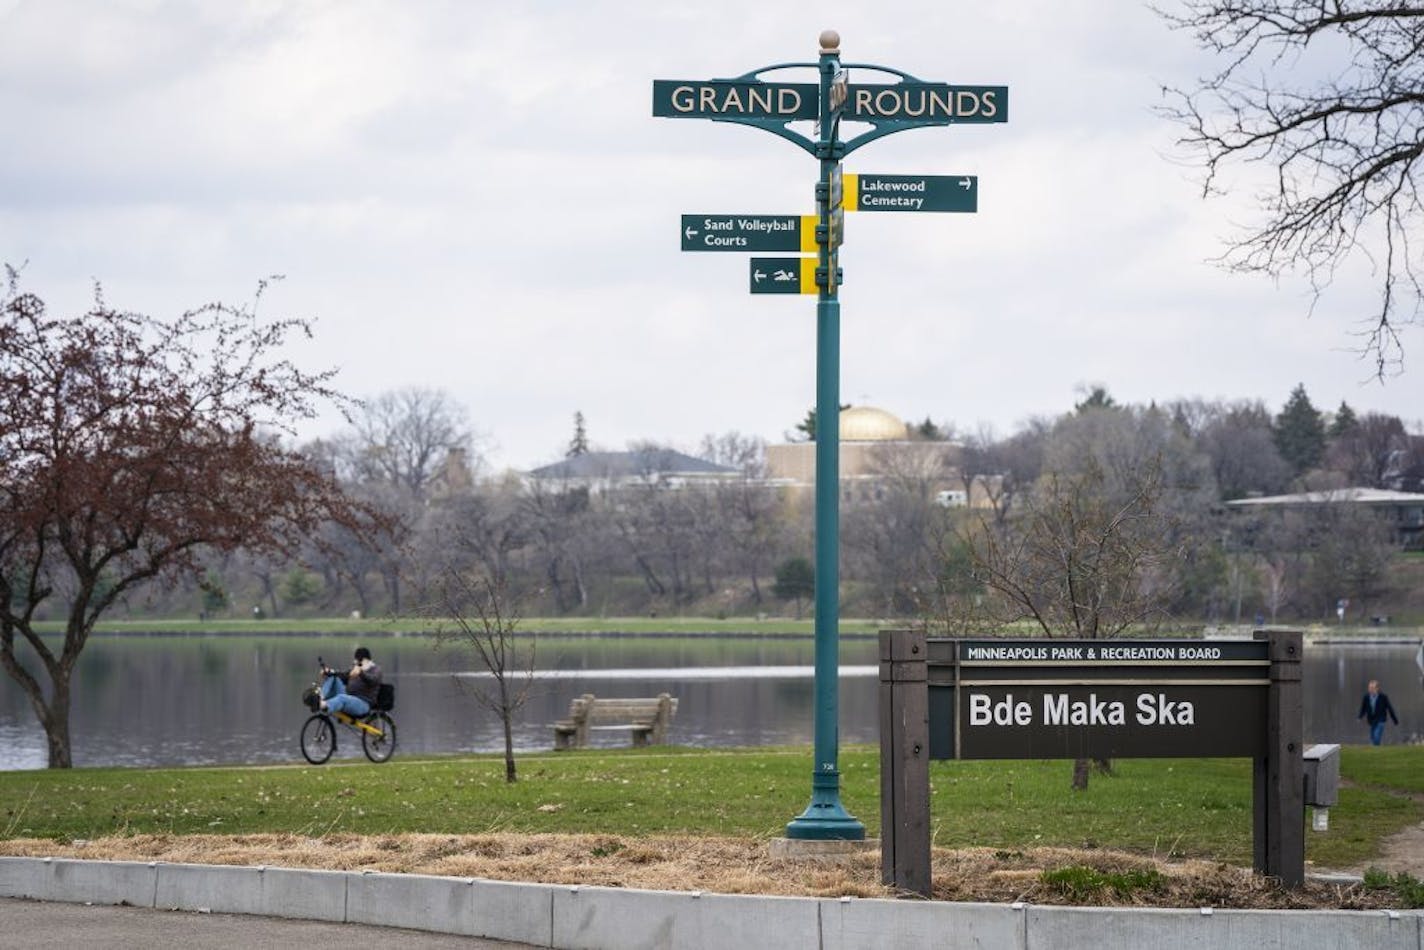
748	232
926	102
911	192
735	99
913	102
783	275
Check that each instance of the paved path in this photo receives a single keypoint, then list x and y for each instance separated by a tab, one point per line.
33	925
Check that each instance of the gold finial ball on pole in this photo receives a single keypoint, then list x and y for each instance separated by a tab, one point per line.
830	41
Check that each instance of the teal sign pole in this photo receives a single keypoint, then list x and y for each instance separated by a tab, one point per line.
905	103
825	817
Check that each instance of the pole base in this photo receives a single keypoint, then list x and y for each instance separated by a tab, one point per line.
825	819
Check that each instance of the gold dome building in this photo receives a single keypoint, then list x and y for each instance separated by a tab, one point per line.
874	445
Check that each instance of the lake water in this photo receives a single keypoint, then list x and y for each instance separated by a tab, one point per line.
215	700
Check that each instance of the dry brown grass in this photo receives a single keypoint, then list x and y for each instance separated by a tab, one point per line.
722	865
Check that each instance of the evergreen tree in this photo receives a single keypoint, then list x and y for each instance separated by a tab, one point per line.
1300	432
214	594
1097	398
928	430
578	445
807	426
1344	420
795	580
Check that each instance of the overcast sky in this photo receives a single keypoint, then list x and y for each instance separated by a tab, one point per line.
475	197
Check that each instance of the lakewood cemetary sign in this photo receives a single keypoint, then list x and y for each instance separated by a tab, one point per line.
911	192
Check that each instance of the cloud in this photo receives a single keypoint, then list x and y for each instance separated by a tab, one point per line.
476	198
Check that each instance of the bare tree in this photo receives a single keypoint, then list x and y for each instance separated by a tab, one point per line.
404	438
405	447
747	507
655	519
472	610
1241	450
954	602
390	550
998	470
487	526
559	520
1371	452
1410	477
891	538
1077	561
1092	549
1325	94
348	561
129	446
1313	554
1274	589
1351	548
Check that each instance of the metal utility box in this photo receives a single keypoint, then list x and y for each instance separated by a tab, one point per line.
1322	775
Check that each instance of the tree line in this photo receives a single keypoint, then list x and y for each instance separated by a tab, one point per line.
1122	506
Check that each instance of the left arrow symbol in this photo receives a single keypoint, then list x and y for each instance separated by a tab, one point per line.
690	234
758	276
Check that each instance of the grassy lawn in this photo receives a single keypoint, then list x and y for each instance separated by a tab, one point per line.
1198	808
1391	766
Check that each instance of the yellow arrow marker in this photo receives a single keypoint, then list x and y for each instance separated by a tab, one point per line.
808	233
808	275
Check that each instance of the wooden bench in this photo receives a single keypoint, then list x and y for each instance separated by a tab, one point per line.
647	719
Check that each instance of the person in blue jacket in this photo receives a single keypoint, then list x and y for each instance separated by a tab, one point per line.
1373	709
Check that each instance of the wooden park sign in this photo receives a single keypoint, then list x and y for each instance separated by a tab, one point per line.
1071	699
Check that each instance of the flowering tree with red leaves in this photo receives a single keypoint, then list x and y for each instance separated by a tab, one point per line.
130	444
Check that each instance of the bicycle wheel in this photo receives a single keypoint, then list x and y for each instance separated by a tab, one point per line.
382	747
318	738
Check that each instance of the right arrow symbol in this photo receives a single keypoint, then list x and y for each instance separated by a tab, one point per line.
966	183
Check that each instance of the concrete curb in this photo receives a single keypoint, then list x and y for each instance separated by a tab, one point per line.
552	915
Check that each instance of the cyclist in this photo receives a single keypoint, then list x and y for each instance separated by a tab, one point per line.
355	692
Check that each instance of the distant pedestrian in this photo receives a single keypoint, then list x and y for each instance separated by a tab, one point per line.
1373	709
